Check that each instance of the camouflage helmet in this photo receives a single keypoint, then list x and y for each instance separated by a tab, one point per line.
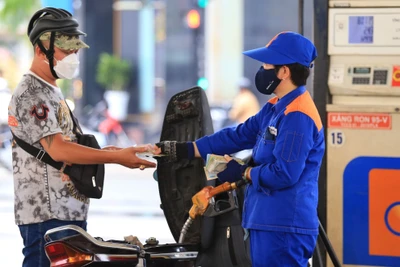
59	27
64	42
50	19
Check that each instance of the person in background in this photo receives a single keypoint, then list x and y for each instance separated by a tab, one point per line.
287	137
245	104
45	197
5	97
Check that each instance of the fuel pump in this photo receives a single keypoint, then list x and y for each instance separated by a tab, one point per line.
363	132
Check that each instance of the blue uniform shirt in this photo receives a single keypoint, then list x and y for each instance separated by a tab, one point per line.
288	144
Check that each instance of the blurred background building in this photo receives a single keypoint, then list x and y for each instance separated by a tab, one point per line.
169	45
144	52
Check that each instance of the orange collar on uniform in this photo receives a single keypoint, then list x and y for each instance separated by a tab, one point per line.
287	99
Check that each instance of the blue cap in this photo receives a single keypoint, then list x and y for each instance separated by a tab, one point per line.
285	48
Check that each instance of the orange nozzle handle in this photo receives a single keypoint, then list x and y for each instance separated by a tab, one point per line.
201	199
222	188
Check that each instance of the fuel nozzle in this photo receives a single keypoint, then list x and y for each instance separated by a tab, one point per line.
202	200
240	183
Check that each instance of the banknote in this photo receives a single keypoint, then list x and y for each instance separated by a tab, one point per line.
145	155
209	175
149	153
216	164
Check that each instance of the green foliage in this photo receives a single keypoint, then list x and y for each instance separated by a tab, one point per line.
16	13
113	72
66	87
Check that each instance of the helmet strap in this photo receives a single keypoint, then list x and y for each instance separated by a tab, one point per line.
49	53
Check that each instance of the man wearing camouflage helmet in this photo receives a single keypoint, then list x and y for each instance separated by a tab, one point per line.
45	197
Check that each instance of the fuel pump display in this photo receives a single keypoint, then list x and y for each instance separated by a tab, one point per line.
363	129
361	29
364	48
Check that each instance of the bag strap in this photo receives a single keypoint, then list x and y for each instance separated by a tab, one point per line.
75	122
39	154
42	155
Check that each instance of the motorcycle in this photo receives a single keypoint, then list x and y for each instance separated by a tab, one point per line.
205	225
98	119
5	147
82	249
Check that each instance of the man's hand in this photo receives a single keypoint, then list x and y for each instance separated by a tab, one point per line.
113	148
176	150
233	172
128	158
73	153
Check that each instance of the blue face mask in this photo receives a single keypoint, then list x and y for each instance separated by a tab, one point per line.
266	81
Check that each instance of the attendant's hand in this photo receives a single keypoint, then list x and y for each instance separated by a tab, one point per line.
233	172
176	150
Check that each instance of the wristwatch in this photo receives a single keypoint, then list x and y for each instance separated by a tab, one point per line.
246	174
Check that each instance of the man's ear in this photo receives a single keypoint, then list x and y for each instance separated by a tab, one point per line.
284	73
39	53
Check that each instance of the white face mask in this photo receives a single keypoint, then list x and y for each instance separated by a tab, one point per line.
67	68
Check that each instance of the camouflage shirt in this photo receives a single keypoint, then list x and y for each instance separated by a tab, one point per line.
37	109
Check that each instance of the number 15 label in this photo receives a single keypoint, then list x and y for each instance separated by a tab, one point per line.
336	138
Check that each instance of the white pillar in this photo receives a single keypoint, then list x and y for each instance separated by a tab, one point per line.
223	48
146	59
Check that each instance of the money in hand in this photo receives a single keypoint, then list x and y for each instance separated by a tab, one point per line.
216	164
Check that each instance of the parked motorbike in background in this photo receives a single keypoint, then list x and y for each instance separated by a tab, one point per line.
5	134
98	119
5	147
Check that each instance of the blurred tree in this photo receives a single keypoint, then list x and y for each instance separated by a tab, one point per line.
15	14
66	87
113	72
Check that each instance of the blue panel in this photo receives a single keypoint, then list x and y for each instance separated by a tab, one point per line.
146	60
355	211
65	4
